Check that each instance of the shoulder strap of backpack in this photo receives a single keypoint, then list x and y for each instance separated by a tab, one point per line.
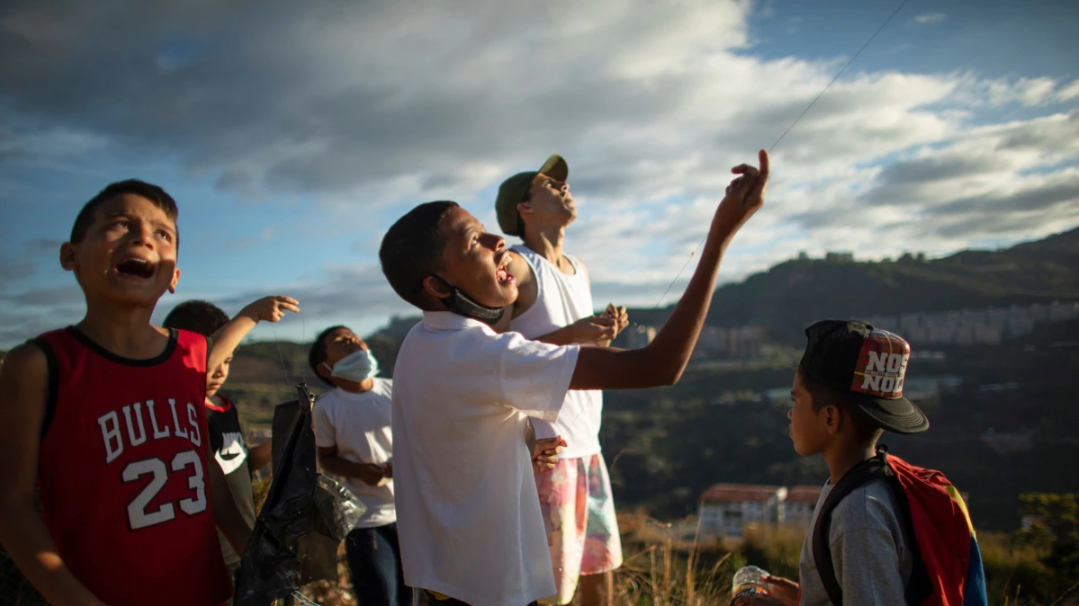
859	475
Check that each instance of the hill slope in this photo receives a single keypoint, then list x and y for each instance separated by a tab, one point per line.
795	293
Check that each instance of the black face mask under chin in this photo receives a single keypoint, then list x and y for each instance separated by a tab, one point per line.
463	305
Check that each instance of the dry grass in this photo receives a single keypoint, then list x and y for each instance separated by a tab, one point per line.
666	565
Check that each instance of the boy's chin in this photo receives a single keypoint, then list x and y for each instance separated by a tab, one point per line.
509	294
128	291
132	297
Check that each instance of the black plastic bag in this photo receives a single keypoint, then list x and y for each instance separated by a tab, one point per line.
304	519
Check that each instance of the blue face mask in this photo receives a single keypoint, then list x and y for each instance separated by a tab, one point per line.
463	305
357	366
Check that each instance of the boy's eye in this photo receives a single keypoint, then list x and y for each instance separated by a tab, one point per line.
164	234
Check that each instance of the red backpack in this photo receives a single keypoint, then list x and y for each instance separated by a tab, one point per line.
947	561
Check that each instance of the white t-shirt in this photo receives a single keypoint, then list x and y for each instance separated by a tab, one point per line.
470	524
561	300
359	425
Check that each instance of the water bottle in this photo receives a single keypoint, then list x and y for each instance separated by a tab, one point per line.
748	581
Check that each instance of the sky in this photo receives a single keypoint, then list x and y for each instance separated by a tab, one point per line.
292	134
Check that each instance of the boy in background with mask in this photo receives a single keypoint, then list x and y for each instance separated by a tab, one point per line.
354	441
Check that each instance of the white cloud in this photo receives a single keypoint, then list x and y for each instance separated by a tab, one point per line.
929	18
369	108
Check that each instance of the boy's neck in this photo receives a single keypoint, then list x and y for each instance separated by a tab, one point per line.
547	242
123	330
842	456
353	386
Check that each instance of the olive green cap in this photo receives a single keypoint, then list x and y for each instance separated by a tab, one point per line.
512	192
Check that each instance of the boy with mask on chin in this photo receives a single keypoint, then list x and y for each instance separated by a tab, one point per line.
471	527
354	441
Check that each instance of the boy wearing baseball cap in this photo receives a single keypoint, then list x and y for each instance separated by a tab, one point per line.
848	389
554	305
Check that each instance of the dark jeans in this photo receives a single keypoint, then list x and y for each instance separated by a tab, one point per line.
375	561
433	601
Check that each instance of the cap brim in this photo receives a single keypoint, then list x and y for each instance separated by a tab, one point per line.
898	415
555	167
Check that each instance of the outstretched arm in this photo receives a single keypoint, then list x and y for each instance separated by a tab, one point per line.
23	392
664	360
228	337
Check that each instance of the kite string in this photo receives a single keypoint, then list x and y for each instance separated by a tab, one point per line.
796	120
280	354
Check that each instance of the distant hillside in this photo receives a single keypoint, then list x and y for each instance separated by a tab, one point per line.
793	294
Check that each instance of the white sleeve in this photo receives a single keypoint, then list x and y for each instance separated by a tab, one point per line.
534	377
325	436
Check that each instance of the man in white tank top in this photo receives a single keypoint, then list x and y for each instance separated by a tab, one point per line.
554	305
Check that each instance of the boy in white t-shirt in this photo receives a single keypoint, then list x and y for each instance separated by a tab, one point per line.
354	440
471	528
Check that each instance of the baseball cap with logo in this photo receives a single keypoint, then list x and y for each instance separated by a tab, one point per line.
512	192
867	366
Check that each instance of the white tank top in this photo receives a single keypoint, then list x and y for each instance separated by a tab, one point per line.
561	300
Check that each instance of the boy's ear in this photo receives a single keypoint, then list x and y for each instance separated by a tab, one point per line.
436	287
67	256
524	208
175	279
831	418
324	371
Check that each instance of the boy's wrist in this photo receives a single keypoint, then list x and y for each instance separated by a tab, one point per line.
249	313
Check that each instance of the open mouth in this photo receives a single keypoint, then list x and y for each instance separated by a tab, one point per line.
135	268
502	274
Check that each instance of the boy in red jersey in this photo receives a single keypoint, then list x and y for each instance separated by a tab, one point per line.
105	418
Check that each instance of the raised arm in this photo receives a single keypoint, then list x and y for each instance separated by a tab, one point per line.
23	392
228	337
664	360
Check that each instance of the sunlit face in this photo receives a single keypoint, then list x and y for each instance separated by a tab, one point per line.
808	428
340	343
549	198
217	378
128	254
476	261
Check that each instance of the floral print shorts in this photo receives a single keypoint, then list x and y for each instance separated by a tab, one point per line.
582	531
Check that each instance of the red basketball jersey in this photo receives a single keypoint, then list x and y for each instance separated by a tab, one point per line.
123	472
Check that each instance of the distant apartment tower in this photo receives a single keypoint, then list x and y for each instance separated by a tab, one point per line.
731	509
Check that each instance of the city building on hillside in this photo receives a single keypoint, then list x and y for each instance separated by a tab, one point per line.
740	342
799	505
924	388
731	509
969	327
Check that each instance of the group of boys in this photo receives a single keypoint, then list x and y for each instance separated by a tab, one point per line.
485	446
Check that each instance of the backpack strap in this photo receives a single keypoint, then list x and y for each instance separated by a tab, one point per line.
859	475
